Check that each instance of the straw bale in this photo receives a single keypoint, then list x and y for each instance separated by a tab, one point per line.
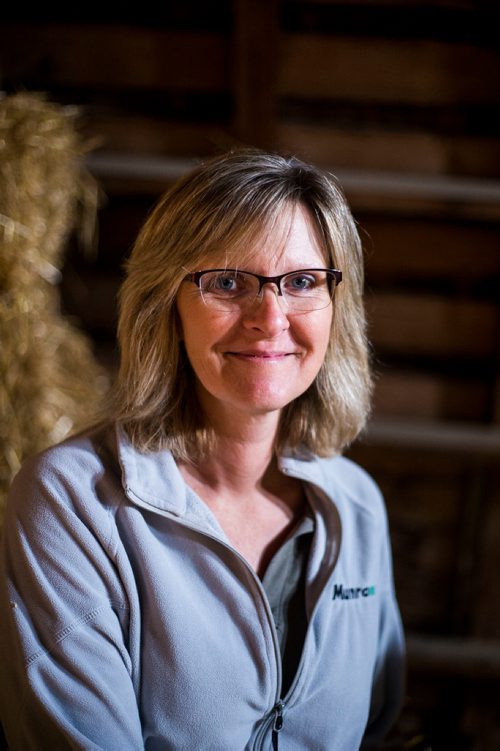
50	382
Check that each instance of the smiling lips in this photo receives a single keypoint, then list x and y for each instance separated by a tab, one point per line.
256	355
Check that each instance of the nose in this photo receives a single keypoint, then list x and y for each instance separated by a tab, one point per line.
268	312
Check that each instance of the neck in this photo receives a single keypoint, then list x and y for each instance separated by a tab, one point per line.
240	482
237	462
243	450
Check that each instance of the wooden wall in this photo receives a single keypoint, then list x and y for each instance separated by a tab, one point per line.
402	101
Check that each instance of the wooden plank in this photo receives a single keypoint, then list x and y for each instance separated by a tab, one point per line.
113	56
422	206
388	70
454	656
429	489
372	149
398	149
484	612
424	521
255	41
464	254
430	396
428	444
397	3
133	137
496	400
431	325
479	717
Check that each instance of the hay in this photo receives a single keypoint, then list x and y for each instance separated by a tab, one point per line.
50	382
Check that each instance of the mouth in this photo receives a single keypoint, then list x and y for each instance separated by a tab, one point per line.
262	356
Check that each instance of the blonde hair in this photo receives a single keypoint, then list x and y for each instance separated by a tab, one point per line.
224	205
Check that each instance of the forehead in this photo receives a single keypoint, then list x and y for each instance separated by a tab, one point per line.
290	240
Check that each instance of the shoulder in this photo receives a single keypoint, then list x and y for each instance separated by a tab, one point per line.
352	477
354	491
67	473
344	481
83	453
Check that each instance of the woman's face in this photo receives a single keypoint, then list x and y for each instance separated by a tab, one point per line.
257	361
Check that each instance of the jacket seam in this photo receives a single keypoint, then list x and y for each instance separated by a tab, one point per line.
68	630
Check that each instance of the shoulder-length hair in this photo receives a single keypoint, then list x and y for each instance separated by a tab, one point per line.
225	205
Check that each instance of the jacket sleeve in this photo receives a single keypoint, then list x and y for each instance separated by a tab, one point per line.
389	675
67	680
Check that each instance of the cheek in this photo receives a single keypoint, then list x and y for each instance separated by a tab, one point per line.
202	335
317	333
189	327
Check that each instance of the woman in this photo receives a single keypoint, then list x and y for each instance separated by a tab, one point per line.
204	570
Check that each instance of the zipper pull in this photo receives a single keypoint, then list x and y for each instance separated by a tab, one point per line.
278	723
278	717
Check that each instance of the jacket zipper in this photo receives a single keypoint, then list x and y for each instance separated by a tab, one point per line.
278	723
278	708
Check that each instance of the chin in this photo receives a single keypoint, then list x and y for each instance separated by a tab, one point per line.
263	404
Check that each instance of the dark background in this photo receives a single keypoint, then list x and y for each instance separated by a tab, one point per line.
401	100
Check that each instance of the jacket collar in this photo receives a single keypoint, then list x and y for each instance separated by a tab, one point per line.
153	480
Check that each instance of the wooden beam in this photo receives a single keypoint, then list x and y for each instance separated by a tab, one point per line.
379	182
433	436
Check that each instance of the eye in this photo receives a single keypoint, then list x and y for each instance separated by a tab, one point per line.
224	283
301	282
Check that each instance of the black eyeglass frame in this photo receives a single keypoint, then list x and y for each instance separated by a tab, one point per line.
195	276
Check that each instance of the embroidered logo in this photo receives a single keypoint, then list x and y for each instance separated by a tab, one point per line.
340	592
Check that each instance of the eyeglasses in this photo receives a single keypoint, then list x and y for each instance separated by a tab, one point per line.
303	290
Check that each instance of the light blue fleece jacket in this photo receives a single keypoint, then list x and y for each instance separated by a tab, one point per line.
129	622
